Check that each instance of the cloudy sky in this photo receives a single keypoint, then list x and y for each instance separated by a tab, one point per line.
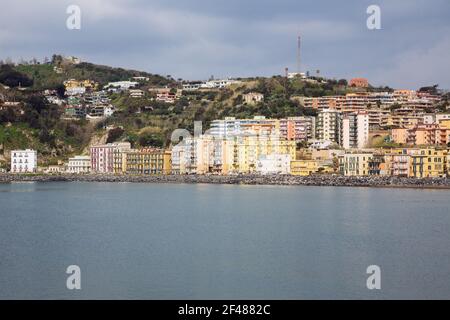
194	39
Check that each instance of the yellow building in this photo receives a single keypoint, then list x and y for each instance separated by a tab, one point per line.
304	167
355	164
119	161
247	150
72	83
148	161
427	163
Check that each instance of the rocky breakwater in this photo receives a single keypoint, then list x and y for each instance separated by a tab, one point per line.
314	180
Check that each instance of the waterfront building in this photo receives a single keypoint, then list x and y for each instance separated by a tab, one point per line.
79	164
148	161
426	163
274	164
355	164
378	165
304	167
23	161
102	156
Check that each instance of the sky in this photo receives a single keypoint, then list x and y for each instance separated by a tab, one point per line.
194	39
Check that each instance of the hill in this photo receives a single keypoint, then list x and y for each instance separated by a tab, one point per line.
36	123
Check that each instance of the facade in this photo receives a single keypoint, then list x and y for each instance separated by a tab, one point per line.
79	164
427	163
227	154
23	161
304	167
329	126
359	82
148	161
355	130
274	164
355	164
102	156
298	128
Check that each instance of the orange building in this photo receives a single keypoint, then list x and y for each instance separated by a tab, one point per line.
359	82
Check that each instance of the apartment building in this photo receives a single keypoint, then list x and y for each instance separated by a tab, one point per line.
329	126
79	164
355	130
149	161
103	157
230	154
23	161
304	167
355	164
429	162
297	128
274	164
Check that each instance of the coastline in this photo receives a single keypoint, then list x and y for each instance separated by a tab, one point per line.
284	180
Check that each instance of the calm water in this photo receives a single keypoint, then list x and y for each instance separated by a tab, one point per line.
162	241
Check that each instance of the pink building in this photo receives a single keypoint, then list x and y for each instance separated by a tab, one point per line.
102	156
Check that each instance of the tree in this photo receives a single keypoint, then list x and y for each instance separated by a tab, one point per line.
114	134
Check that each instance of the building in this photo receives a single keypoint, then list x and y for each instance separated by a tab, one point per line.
298	128
253	97
102	156
304	167
167	95
329	126
399	135
399	163
120	86
427	163
274	164
355	130
136	93
228	154
423	134
355	164
359	82
23	161
79	164
218	83
148	161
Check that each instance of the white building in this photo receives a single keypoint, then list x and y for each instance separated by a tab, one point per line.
136	93
329	126
218	84
79	164
274	164
120	85
74	91
23	161
355	130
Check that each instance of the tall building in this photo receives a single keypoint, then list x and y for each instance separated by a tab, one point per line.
355	130
23	161
329	126
298	128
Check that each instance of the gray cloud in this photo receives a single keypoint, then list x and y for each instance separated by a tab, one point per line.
195	39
